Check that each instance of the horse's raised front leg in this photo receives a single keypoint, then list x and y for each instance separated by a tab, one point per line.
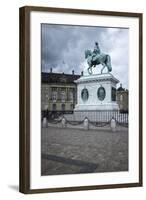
90	70
103	67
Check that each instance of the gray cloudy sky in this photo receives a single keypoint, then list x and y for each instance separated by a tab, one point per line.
63	48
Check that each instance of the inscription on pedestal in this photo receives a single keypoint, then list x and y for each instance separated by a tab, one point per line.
85	94
101	93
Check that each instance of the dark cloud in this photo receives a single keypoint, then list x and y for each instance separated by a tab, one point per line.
66	43
63	47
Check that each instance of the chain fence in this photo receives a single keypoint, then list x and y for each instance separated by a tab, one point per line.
95	118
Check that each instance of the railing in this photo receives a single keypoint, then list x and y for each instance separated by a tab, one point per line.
54	114
96	118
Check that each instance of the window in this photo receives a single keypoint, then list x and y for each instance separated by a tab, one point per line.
54	107
54	96
63	96
63	107
71	106
70	95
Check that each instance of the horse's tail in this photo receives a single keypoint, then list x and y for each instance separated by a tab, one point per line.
108	63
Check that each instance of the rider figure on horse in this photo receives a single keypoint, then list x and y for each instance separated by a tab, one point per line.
96	57
96	52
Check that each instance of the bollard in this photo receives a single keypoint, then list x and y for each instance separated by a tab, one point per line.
45	122
86	124
113	124
63	122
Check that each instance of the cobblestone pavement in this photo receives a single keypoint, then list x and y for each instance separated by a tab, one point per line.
72	151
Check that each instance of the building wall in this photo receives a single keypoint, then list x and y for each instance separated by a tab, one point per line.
58	97
45	93
122	100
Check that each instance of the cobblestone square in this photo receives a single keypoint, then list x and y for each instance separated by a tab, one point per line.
73	151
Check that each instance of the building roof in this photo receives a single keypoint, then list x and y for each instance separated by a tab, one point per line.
58	77
120	89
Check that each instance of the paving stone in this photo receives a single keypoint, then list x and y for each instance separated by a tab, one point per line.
73	151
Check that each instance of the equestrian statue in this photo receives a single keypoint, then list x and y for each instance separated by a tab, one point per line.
96	57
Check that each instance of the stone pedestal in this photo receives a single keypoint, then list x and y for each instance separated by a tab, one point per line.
113	125
86	124
45	123
63	122
96	92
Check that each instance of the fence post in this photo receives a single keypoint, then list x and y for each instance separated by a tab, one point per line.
63	122
113	124
45	122
86	124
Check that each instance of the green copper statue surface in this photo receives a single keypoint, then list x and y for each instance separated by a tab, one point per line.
96	57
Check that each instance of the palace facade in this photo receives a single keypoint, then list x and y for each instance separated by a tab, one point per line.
58	92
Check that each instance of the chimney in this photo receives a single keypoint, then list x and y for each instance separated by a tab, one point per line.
121	85
51	70
73	72
82	73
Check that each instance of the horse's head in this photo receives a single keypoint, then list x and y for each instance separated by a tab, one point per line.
87	53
